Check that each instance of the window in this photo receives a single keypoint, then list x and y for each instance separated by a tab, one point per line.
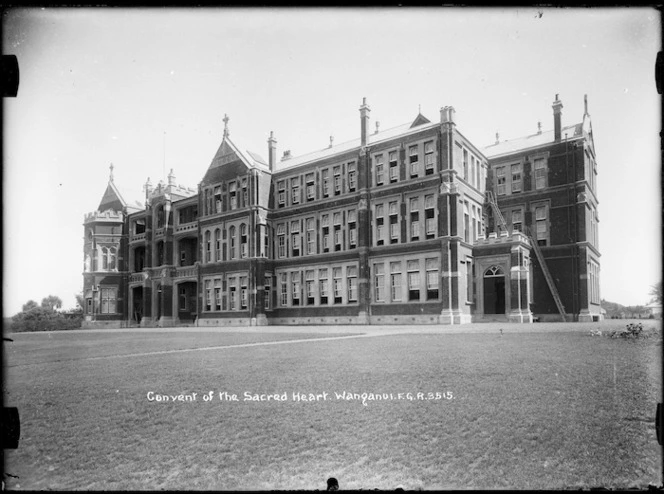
540	173
284	289
311	187
232	293
231	234
352	177
477	175
379	170
108	297
413	161
472	169
325	225
414	219
208	247
500	181
281	193
309	287
466	222
428	158
281	240
245	193
295	190
395	281
311	236
208	295
395	230
465	165
379	282
232	187
413	280
217	245
244	245
351	277
394	167
243	292
217	199
217	294
182	292
323	286
338	236
541	225
430	216
352	229
295	238
325	174
268	292
516	177
432	278
380	227
337	180
337	284
517	220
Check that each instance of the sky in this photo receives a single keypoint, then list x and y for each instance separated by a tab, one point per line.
147	89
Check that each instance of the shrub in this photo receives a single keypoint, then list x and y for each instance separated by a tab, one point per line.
633	331
43	319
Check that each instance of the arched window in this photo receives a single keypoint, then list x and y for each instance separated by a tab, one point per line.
208	247
217	245
104	259
231	234
243	241
494	271
112	259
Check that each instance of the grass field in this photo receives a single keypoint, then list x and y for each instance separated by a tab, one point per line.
540	410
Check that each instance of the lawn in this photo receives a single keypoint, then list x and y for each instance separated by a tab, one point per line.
520	410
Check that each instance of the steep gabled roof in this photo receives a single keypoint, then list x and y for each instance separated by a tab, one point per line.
420	120
112	199
232	160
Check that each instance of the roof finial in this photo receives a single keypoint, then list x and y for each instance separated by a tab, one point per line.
419	109
226	119
497	138
111	175
585	104
539	127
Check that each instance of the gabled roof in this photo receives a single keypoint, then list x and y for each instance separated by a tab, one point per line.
419	124
230	157
529	142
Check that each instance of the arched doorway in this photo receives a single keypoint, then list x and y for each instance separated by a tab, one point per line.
137	304
494	290
159	304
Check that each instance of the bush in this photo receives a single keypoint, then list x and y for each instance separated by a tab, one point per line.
633	331
44	319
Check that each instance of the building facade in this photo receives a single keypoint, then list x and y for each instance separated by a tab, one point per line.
409	225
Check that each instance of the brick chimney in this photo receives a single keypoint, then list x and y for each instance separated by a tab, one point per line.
447	114
271	151
364	122
557	114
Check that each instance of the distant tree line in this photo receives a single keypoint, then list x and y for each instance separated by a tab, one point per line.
44	317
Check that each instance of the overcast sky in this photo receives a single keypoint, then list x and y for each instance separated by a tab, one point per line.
147	91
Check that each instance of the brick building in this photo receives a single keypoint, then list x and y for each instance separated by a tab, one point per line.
411	225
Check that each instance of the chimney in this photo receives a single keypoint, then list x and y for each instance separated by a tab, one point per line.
377	127
286	155
271	151
447	114
171	178
557	113
364	122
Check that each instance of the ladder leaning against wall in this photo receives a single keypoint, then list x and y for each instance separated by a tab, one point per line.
500	221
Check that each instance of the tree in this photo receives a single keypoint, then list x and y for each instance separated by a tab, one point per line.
29	305
656	292
51	302
80	300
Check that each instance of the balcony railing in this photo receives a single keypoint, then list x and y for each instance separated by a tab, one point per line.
138	277
136	237
186	227
186	271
